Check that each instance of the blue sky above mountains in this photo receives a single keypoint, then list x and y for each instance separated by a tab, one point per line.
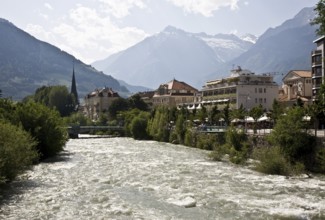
94	29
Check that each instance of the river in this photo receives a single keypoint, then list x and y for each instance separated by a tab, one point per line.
120	178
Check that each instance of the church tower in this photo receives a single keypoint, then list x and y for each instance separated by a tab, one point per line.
74	87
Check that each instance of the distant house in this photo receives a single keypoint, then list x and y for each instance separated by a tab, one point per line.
242	88
297	84
174	93
98	101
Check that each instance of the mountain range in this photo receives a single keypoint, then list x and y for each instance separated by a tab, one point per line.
198	57
174	53
27	64
280	49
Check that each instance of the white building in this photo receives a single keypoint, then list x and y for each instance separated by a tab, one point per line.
297	84
244	88
98	101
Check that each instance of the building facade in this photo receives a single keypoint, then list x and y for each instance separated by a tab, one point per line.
174	93
297	84
98	101
242	88
318	64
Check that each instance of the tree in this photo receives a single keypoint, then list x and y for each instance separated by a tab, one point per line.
317	109
61	100
256	112
139	127
45	125
239	113
213	114
320	17
77	118
277	111
135	101
202	114
7	110
55	97
290	135
118	105
158	126
226	114
180	128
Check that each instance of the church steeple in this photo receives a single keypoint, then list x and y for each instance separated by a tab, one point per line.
74	87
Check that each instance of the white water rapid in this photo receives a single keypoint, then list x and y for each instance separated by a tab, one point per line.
120	178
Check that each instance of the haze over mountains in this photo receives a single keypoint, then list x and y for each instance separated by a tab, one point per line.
27	63
195	58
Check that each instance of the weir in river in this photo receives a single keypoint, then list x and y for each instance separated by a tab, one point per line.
120	178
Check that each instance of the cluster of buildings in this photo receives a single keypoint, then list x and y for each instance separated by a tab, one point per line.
242	88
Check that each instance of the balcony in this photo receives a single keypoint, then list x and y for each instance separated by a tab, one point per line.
316	75
316	63
316	52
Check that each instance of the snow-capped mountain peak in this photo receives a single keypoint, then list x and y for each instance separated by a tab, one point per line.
250	38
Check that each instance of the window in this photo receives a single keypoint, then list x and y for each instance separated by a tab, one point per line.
260	90
264	90
264	100
255	100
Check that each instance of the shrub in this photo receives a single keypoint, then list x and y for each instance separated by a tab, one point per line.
237	145
319	162
189	139
206	141
218	153
272	161
173	138
17	151
46	127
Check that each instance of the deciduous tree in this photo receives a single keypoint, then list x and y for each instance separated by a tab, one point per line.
320	17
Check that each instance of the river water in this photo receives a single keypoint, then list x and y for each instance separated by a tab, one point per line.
120	178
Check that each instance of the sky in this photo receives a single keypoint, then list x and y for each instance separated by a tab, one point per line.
92	30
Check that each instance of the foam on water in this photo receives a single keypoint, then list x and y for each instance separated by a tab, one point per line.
120	178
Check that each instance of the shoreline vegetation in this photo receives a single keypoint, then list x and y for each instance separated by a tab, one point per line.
288	150
34	129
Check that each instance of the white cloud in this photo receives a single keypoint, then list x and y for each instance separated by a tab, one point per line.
45	16
204	7
39	31
48	6
88	35
121	8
